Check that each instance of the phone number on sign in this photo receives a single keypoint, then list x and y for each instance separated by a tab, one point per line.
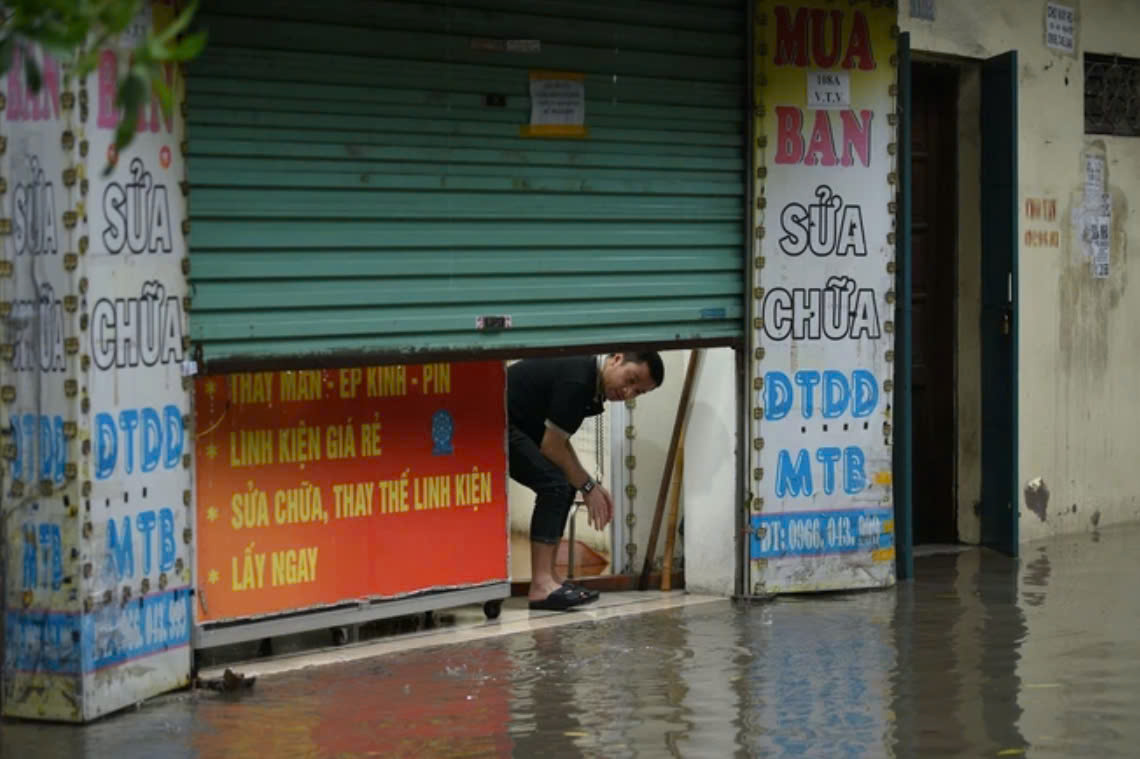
778	535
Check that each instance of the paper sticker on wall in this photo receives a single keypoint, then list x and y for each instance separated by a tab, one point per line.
1092	218
557	105
828	90
1061	28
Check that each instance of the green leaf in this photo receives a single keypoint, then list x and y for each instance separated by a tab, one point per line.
59	34
7	48
32	73
119	14
159	88
87	62
178	24
132	91
125	132
189	48
153	50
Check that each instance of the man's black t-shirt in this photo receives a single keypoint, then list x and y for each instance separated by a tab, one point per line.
563	390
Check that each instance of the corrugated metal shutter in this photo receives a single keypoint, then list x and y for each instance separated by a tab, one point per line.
353	190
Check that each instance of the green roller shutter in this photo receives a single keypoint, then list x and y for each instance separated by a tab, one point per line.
356	193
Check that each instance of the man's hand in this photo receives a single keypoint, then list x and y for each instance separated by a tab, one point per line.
601	507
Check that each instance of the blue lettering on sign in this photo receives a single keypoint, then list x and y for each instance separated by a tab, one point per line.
834	393
138	434
66	643
818	533
44	458
807	382
858	394
794	477
121	549
116	634
41	641
42	544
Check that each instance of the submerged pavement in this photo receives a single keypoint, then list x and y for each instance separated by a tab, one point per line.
979	656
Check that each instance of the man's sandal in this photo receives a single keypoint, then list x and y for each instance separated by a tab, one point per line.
562	599
591	595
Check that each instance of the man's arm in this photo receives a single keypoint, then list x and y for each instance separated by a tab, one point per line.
557	448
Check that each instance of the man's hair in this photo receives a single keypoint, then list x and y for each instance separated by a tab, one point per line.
652	359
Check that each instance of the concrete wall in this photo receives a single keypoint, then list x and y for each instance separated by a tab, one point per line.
710	496
653	420
1079	347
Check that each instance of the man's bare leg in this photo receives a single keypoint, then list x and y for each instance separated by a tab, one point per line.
558	578
542	577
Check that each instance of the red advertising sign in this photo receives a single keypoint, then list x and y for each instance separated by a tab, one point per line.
323	486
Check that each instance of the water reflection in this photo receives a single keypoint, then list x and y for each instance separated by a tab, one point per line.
978	656
957	630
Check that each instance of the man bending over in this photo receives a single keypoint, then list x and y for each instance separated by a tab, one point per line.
547	399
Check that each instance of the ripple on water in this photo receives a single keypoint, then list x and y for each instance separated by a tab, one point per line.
977	656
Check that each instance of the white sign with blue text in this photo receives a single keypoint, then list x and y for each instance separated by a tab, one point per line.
141	545
823	326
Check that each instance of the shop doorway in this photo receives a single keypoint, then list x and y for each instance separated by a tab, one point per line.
934	307
956	444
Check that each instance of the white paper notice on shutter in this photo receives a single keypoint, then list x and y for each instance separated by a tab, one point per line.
557	105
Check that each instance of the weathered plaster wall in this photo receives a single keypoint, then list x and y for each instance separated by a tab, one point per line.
1079	347
653	420
710	488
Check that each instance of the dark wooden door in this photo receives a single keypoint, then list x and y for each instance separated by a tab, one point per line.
999	303
934	229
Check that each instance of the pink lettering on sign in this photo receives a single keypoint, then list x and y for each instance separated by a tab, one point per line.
151	119
825	30
24	105
819	149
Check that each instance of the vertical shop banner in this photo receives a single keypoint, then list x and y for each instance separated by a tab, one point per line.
97	503
138	509
328	486
823	308
40	670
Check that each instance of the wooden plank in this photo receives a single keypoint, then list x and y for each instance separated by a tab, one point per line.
683	404
671	522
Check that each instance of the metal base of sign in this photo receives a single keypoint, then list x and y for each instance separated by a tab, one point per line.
226	633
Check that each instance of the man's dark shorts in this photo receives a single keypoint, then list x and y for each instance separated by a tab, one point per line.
554	496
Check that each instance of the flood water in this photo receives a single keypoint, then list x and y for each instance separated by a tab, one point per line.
979	656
